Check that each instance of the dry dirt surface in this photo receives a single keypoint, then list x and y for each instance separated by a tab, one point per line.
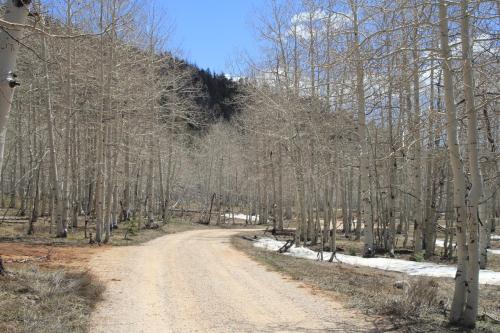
197	282
66	257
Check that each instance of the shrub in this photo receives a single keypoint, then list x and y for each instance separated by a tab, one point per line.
132	228
419	298
351	250
419	256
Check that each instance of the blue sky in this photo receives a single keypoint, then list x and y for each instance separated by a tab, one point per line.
213	33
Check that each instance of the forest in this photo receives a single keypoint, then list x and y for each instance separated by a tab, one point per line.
365	125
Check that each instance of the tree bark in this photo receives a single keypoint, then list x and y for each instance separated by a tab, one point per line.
459	296
364	169
57	202
15	12
476	190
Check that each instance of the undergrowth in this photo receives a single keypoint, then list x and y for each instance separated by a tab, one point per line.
410	304
36	300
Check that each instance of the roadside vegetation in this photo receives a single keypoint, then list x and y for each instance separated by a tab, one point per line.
411	304
130	232
46	301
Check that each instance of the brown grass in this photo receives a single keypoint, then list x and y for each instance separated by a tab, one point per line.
414	309
420	298
37	300
13	229
74	252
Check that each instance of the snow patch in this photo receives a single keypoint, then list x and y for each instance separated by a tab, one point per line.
387	264
440	243
240	216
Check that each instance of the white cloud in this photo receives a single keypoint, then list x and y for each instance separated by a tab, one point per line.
319	18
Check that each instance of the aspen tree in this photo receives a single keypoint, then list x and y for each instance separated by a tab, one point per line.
100	139
110	127
476	191
365	213
56	199
163	201
392	176
16	12
429	220
417	145
68	111
456	164
280	188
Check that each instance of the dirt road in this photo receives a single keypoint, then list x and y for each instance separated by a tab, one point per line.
196	282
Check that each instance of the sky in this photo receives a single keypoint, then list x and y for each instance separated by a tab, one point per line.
213	33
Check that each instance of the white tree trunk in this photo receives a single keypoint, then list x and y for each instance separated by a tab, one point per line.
100	138
456	164
125	205
280	188
476	191
57	202
163	203
364	167
417	147
393	166
15	12
68	103
149	185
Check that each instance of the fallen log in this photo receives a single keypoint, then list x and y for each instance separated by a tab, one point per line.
284	232
287	246
249	238
491	318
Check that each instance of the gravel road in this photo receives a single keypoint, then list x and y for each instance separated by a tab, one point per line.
196	281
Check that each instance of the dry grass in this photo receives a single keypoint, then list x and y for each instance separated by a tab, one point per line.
35	300
420	298
15	231
75	252
416	308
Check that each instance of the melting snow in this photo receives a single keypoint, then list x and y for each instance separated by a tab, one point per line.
388	264
241	217
440	243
